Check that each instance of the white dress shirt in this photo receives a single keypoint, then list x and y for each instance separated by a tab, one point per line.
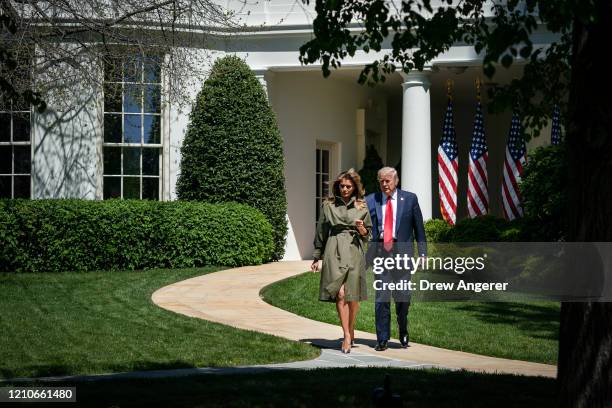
384	210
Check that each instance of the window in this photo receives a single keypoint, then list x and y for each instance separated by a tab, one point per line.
321	177
15	151
132	144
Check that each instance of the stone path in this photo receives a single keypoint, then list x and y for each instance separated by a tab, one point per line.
232	297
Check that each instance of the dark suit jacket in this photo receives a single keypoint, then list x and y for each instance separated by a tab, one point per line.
409	224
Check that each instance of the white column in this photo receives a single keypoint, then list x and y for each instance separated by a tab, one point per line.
260	74
360	137
416	139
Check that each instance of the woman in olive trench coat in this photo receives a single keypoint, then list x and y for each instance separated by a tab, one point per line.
343	231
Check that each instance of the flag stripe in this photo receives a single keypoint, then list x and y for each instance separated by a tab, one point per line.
448	166
474	186
478	190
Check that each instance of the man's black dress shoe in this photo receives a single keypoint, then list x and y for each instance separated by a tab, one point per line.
381	346
404	341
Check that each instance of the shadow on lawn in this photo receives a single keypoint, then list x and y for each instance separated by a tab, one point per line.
538	321
345	387
51	370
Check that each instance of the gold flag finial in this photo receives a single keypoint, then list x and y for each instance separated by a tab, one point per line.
449	89
478	83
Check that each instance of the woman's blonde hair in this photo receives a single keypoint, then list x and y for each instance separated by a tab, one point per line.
358	191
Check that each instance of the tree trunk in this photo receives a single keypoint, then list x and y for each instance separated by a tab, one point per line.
585	339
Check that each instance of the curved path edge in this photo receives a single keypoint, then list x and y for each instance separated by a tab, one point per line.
232	297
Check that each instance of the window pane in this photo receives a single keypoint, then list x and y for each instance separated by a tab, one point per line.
22	187
131	161
318	209
318	154
131	187
112	128
5	187
6	160
131	128
150	162
23	160
325	164
112	97
318	185
112	69
5	127
21	127
152	69
132	99
152	131
132	67
112	160
112	187
325	185
152	98
150	188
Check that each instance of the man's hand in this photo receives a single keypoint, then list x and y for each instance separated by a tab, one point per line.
315	265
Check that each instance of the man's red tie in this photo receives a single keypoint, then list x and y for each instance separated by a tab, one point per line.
388	232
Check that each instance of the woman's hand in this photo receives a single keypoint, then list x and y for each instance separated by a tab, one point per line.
361	227
315	265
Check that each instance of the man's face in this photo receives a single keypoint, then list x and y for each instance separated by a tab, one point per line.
387	184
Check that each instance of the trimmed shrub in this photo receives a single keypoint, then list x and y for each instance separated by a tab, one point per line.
437	230
544	192
486	228
84	235
233	149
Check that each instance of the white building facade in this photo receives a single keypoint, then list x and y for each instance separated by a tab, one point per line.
124	142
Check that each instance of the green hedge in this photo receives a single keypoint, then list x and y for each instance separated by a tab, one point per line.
487	228
544	191
437	230
84	235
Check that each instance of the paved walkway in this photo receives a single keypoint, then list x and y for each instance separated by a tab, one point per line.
231	297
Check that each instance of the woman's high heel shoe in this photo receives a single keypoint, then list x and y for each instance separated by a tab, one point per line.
345	350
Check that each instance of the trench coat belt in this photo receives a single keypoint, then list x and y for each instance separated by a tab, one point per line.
338	229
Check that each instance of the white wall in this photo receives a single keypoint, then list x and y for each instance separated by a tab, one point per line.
66	142
311	108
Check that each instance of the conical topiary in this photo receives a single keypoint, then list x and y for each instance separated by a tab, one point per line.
369	173
233	149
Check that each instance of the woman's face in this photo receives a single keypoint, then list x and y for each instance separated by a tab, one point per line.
346	188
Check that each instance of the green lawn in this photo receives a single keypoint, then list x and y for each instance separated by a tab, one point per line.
97	322
345	387
522	331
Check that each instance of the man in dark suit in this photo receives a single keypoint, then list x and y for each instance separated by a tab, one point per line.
396	222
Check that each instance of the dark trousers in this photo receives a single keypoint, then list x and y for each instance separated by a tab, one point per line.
382	306
383	319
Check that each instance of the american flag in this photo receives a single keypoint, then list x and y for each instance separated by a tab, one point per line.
513	168
448	163
478	191
555	133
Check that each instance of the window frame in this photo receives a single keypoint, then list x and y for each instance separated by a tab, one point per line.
160	146
12	143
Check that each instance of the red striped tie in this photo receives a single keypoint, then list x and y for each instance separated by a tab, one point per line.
388	232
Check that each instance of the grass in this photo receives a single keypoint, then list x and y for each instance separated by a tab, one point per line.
345	387
523	331
97	322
